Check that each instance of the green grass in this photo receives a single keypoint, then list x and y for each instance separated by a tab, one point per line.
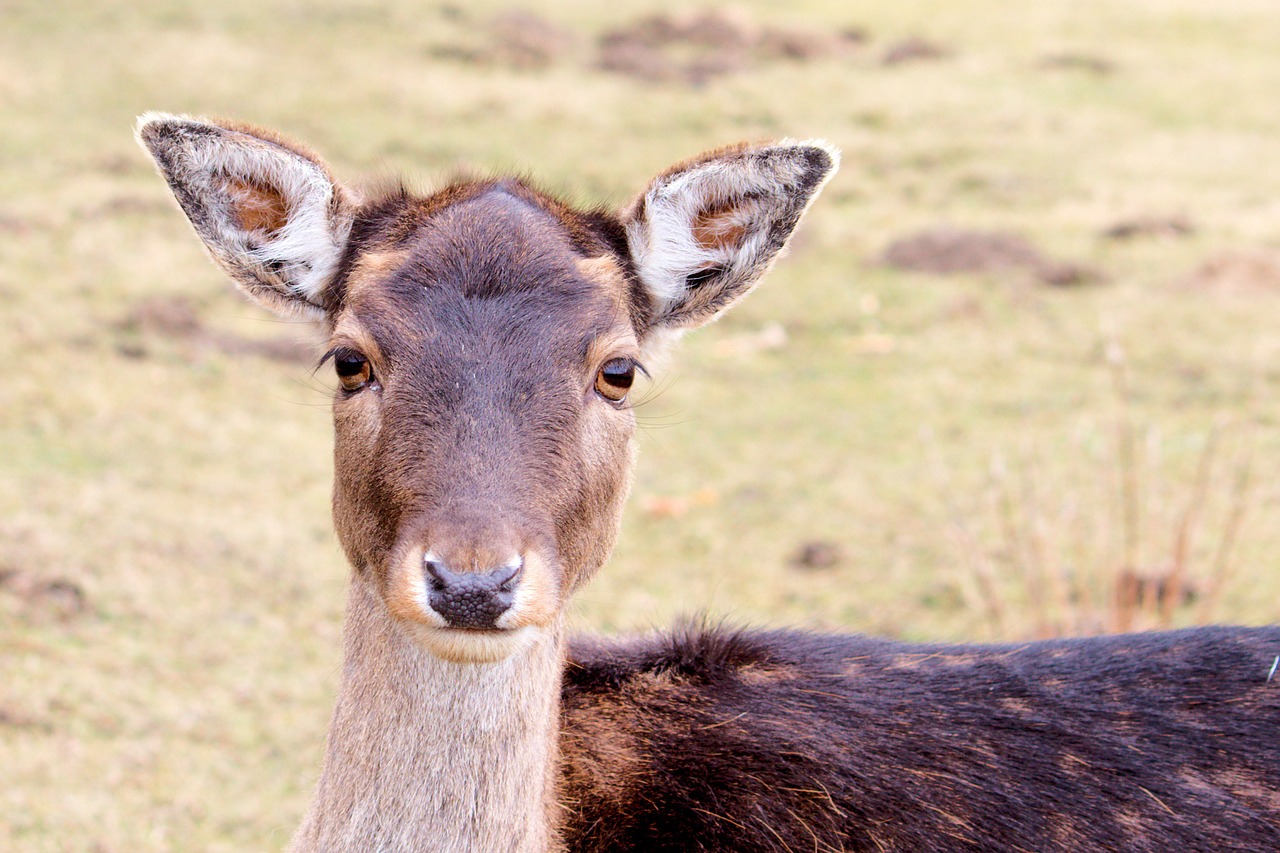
183	487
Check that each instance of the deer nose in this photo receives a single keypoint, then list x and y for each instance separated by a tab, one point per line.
471	599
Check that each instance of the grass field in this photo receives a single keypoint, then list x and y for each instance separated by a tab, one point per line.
1002	452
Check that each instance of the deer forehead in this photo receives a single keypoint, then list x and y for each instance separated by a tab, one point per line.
493	270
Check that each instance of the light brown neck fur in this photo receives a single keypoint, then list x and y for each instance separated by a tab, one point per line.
427	755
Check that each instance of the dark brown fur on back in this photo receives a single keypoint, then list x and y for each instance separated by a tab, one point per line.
787	741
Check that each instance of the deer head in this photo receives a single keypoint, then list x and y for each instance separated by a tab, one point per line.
485	339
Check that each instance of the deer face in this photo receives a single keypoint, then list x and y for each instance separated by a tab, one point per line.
484	436
485	341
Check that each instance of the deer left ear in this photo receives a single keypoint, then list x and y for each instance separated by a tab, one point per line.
705	232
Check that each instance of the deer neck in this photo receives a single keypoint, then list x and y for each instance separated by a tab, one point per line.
428	755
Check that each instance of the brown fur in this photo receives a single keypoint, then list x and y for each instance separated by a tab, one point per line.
257	206
764	741
723	226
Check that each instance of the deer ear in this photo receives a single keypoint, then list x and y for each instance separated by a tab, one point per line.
706	231
268	211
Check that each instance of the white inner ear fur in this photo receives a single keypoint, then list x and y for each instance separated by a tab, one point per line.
309	245
663	239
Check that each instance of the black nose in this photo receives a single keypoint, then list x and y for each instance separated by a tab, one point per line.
471	599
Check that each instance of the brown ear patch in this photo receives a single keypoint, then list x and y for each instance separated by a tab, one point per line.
724	226
257	206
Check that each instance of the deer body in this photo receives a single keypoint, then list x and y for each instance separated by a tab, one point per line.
773	741
485	339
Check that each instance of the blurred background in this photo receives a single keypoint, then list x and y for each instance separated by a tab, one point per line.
1017	378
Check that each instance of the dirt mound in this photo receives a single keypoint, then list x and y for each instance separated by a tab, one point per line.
10	224
804	45
690	47
1149	226
171	316
913	49
177	318
1245	273
693	48
1078	62
817	555
517	39
948	251
43	598
521	39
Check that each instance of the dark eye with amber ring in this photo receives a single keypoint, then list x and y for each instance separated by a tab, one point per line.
615	378
353	369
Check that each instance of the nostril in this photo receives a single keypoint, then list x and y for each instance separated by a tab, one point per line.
438	573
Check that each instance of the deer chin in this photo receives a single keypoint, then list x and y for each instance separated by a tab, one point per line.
462	645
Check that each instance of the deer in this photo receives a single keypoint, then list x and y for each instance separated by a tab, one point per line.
485	339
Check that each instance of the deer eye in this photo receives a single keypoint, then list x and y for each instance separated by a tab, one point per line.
615	379
353	370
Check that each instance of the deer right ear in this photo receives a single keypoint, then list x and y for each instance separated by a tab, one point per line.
268	211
